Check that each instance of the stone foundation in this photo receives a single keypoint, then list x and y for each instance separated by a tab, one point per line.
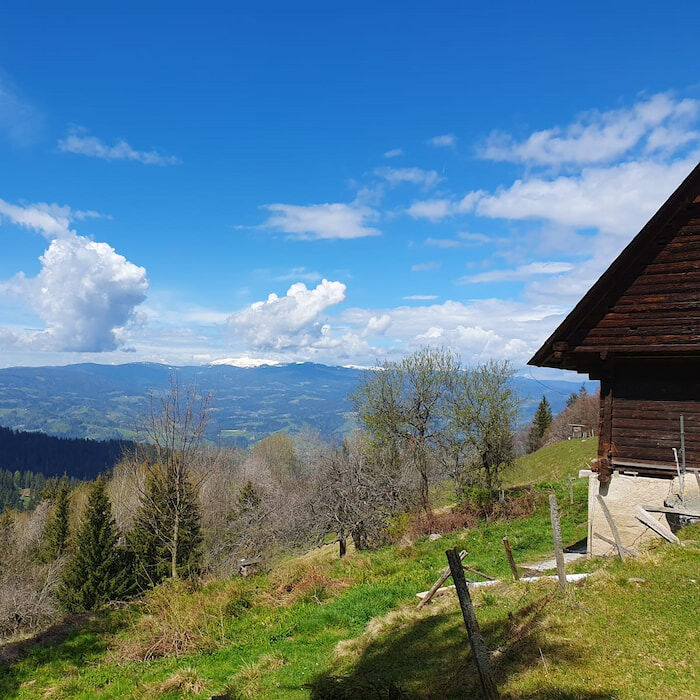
621	495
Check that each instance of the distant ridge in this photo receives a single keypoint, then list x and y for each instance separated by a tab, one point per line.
104	401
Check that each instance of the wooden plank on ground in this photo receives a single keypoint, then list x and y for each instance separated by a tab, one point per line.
651	522
444	575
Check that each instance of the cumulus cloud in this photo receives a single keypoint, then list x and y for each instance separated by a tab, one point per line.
420	297
322	221
443	141
658	123
377	325
288	322
414	176
77	140
521	273
85	292
394	153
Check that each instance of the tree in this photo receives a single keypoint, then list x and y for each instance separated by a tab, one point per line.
541	421
97	573
483	417
56	531
166	537
403	406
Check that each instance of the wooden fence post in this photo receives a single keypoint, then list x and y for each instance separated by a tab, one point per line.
479	650
571	490
444	575
558	548
511	561
613	528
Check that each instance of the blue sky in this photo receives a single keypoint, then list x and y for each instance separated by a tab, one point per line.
342	184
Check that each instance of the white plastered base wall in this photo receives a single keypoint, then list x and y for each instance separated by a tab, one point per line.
621	495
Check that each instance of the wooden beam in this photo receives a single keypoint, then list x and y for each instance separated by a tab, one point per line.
655	525
444	575
613	527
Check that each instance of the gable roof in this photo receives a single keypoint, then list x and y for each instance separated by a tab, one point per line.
623	270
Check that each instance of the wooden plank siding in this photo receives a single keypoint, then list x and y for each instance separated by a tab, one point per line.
638	331
661	307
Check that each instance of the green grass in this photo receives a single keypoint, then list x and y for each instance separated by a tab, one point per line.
320	627
553	463
302	633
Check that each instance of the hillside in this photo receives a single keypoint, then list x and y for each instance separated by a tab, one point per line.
51	456
105	401
320	627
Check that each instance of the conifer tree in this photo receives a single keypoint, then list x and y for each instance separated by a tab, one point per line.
56	532
166	528
98	571
539	425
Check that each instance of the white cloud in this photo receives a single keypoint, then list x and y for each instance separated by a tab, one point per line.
85	293
78	141
602	137
618	199
426	266
377	325
420	297
20	122
394	153
415	176
522	273
443	141
288	322
322	221
436	209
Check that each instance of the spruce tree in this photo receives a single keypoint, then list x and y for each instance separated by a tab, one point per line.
98	571
539	425
56	531
165	538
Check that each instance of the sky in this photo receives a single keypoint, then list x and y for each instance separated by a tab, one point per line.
190	183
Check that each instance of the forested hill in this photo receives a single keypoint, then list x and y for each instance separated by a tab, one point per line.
105	401
52	456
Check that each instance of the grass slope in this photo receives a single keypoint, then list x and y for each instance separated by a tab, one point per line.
553	463
319	627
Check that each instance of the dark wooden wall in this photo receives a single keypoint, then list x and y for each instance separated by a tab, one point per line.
641	405
660	309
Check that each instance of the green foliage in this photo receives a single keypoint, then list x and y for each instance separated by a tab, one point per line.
539	425
56	532
98	571
166	523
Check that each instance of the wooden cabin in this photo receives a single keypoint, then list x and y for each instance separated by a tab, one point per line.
637	330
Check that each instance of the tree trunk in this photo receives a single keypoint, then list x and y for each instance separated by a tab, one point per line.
343	543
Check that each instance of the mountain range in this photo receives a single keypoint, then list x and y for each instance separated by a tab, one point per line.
105	401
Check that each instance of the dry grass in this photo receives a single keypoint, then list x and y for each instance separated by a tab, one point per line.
186	681
248	682
304	583
177	620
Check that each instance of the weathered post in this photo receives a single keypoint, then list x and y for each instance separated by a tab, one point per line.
571	490
511	561
444	575
479	650
613	528
558	548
